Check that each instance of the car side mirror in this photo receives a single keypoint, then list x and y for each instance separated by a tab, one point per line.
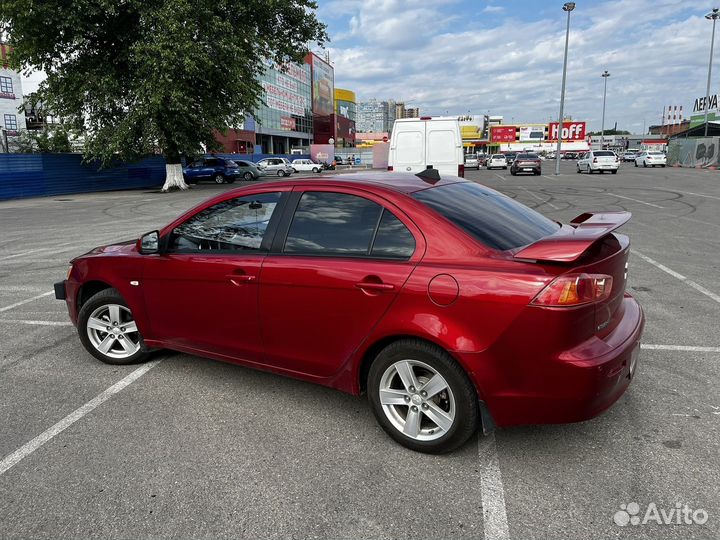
149	243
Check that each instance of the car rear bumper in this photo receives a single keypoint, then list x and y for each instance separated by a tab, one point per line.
574	385
604	166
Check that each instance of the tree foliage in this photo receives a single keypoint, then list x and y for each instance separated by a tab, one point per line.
141	76
610	132
53	139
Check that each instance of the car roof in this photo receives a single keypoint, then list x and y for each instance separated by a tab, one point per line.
393	181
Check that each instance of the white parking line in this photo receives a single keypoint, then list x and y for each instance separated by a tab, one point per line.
500	177
688	348
29	447
37	323
549	177
635	200
539	198
492	492
672	190
16	304
679	276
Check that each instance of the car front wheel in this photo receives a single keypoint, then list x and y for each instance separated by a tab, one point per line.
421	397
316	170
248	176
218	179
108	330
281	173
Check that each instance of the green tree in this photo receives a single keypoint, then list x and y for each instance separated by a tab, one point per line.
155	76
53	139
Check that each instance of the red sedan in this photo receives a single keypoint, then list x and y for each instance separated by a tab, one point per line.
448	303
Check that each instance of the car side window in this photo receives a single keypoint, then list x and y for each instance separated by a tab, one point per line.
212	162
393	239
327	223
234	225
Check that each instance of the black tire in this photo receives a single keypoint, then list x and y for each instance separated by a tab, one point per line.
315	170
663	166
578	171
248	176
614	172
645	164
466	418
106	297
505	167
294	170
218	179
636	164
513	173
281	173
536	173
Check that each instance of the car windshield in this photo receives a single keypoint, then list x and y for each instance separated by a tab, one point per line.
468	158
656	153
491	217
603	153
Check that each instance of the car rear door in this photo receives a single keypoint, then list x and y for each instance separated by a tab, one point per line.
339	259
201	293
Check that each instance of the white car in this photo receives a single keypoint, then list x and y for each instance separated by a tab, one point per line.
497	161
650	159
305	165
275	166
598	161
471	161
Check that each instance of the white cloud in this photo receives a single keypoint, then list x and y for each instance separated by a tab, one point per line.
493	9
656	56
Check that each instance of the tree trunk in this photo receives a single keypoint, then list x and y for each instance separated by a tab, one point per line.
174	178
173	168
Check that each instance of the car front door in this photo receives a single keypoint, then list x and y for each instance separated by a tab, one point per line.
339	259
201	292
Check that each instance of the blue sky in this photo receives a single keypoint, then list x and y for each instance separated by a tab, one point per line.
506	56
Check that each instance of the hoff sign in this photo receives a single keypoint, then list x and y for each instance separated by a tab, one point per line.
573	131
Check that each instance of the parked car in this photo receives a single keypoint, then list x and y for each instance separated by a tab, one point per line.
598	161
482	160
305	165
510	157
419	143
446	302
275	167
630	155
248	169
497	161
570	155
217	169
471	161
651	159
526	162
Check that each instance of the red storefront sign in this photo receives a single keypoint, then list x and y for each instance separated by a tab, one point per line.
502	134
571	131
287	123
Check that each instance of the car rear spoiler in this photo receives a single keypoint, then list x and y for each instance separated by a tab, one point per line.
571	241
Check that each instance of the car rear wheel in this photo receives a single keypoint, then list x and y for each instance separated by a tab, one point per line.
578	171
248	176
614	172
108	330
219	179
281	173
644	163
316	170
421	397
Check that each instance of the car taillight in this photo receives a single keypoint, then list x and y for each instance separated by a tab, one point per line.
575	290
461	170
390	167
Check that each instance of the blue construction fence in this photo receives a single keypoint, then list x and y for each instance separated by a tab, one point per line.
36	175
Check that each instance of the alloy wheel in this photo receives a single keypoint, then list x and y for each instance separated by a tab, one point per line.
417	400
113	332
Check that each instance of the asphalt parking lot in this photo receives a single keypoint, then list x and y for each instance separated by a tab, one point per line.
197	448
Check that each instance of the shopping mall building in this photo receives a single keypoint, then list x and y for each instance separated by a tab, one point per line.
538	137
301	107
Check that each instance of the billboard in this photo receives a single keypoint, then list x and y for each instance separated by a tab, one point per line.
323	87
532	133
502	134
571	131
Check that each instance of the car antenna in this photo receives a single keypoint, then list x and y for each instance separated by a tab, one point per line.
429	175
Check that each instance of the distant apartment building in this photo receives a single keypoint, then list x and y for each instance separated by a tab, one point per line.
412	112
373	116
12	119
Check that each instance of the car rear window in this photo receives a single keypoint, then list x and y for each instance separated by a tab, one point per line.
527	156
604	153
656	153
492	218
498	156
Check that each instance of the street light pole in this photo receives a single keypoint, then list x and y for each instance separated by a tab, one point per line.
568	6
714	14
605	76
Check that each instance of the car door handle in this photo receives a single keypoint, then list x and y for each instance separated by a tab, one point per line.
237	279
372	286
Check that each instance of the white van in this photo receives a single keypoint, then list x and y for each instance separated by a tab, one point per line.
417	143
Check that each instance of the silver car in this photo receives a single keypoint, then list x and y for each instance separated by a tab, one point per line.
275	167
471	161
248	170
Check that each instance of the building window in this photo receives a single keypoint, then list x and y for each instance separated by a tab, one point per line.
6	86
11	122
